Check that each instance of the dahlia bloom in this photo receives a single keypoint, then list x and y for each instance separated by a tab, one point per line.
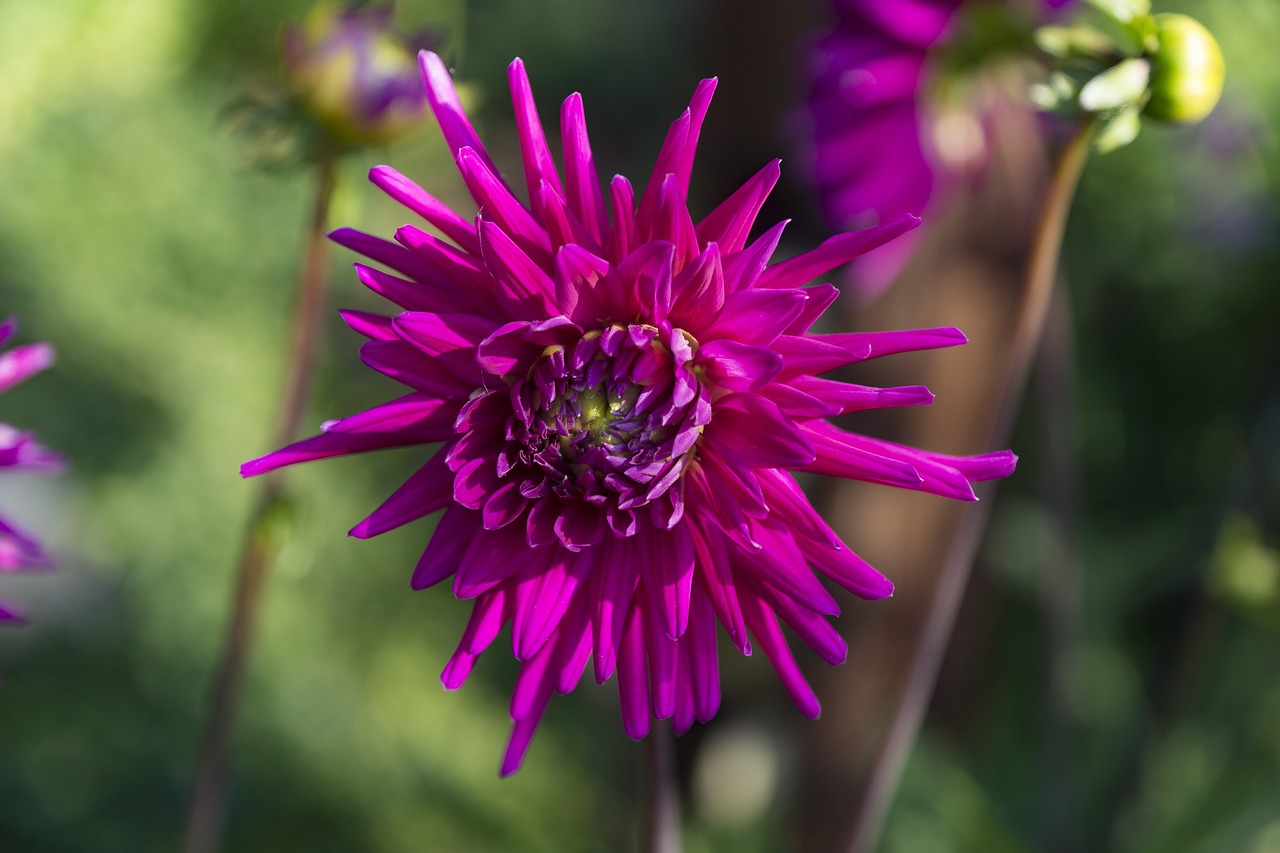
872	155
18	450
619	395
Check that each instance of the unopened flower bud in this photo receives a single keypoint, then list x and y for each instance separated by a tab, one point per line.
353	74
1187	71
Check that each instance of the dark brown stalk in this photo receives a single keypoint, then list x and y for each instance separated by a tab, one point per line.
886	771
206	813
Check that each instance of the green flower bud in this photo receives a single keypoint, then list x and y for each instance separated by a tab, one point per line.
1187	71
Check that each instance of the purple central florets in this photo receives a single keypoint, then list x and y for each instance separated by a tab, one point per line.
610	418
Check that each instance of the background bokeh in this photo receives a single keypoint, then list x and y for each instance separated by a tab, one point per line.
137	237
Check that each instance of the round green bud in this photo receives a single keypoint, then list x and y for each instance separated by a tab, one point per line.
1186	71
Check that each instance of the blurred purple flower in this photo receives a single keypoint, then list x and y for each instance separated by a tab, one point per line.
872	156
354	73
18	450
621	393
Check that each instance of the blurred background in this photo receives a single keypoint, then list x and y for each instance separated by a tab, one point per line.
1128	701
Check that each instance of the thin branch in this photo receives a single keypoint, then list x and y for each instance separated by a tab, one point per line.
886	772
206	813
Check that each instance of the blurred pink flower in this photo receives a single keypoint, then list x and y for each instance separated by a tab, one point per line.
18	450
872	155
620	395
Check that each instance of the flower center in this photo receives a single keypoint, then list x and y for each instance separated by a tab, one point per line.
610	419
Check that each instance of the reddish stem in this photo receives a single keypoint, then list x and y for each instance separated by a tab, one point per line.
886	772
206	813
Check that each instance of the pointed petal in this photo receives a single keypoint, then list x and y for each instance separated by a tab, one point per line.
430	208
737	366
800	270
326	445
453	533
633	676
742	270
538	165
428	490
23	362
764	625
730	223
757	316
752	431
447	106
582	184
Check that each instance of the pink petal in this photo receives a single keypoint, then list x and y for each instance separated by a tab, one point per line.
613	584
737	366
499	206
753	431
452	118
427	206
373	326
633	677
492	557
326	445
538	165
800	270
23	362
717	580
764	625
847	569
454	532
742	270
698	290
730	223
581	182
428	490
757	316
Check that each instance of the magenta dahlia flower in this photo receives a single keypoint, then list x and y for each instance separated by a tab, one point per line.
620	395
873	122
18	450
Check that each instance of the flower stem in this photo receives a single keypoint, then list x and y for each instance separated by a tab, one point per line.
207	808
885	773
663	792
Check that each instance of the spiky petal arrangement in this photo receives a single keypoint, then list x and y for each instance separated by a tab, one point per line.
619	395
19	451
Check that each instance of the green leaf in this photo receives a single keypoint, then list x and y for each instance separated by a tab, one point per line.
1123	84
1119	131
1077	41
1059	93
1123	11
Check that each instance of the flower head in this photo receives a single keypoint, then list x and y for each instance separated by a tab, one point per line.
354	74
881	147
18	450
620	395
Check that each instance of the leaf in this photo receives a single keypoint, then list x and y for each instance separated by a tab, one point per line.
1119	131
1077	41
1120	85
1122	11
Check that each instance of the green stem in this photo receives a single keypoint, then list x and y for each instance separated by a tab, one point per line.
207	808
1041	274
